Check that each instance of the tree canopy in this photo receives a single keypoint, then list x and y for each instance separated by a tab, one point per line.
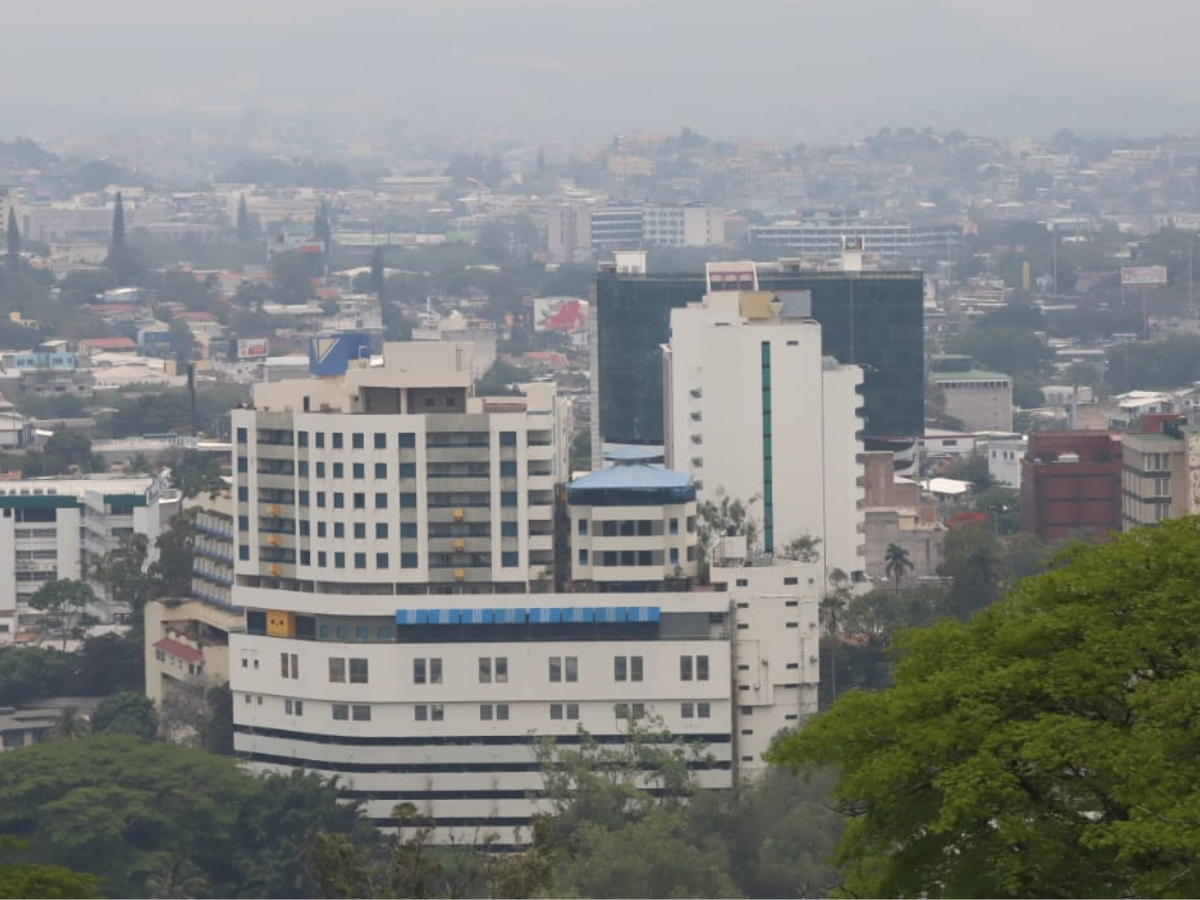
1044	748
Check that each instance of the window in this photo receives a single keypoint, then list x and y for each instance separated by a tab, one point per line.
243	552
427	671
360	530
510	559
339	529
635	668
673	556
320	504
673	526
583	557
321	558
572	710
320	470
583	527
408	500
243	494
381	470
502	712
342	632
419	671
556	668
508	439
408	440
381	560
435	670
556	710
339	500
358	671
289	663
304	497
408	560
293	707
360	560
693	666
339	470
381	531
702	710
421	712
501	669
572	668
380	441
341	712
508	529
356	440
320	439
687	710
408	470
620	668
508	468
360	501
337	440
242	436
485	712
485	670
337	669
339	560
361	712
358	470
508	498
437	712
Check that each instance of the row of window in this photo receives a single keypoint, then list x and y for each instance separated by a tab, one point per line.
358	500
358	440
634	527
488	712
492	669
632	557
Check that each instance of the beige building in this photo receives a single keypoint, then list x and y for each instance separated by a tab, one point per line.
1157	474
982	401
899	512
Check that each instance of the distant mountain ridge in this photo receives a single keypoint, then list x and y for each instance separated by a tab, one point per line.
780	69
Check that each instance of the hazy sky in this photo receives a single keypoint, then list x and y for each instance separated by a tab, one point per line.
1026	65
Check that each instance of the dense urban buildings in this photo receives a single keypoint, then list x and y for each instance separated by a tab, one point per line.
394	556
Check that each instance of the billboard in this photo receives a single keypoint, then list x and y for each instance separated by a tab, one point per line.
1139	276
566	314
331	354
252	348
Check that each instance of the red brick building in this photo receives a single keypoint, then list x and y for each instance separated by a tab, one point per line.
1070	482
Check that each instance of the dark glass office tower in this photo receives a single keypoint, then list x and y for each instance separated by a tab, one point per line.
872	319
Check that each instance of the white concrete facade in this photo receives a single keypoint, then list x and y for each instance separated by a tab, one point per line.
49	527
753	409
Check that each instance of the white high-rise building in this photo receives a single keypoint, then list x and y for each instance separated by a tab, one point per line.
753	409
50	528
406	638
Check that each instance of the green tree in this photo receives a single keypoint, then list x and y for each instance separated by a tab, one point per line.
322	230
244	232
13	237
121	572
974	563
1044	748
830	612
196	472
24	880
184	348
29	673
126	712
291	275
176	877
276	824
70	725
63	604
117	240
172	571
117	806
897	563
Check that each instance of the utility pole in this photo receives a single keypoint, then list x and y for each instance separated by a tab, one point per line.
1054	257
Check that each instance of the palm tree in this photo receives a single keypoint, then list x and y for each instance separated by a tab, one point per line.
833	607
896	563
71	724
178	878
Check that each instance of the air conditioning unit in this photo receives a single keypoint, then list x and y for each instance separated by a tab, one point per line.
460	575
273	510
460	545
275	569
459	515
274	540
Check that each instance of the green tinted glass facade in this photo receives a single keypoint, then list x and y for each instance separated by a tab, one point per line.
871	319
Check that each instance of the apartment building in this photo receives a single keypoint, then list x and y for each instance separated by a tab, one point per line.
403	638
1160	471
750	364
1070	483
822	236
51	527
575	231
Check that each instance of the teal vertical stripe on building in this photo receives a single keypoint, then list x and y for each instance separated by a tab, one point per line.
768	491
